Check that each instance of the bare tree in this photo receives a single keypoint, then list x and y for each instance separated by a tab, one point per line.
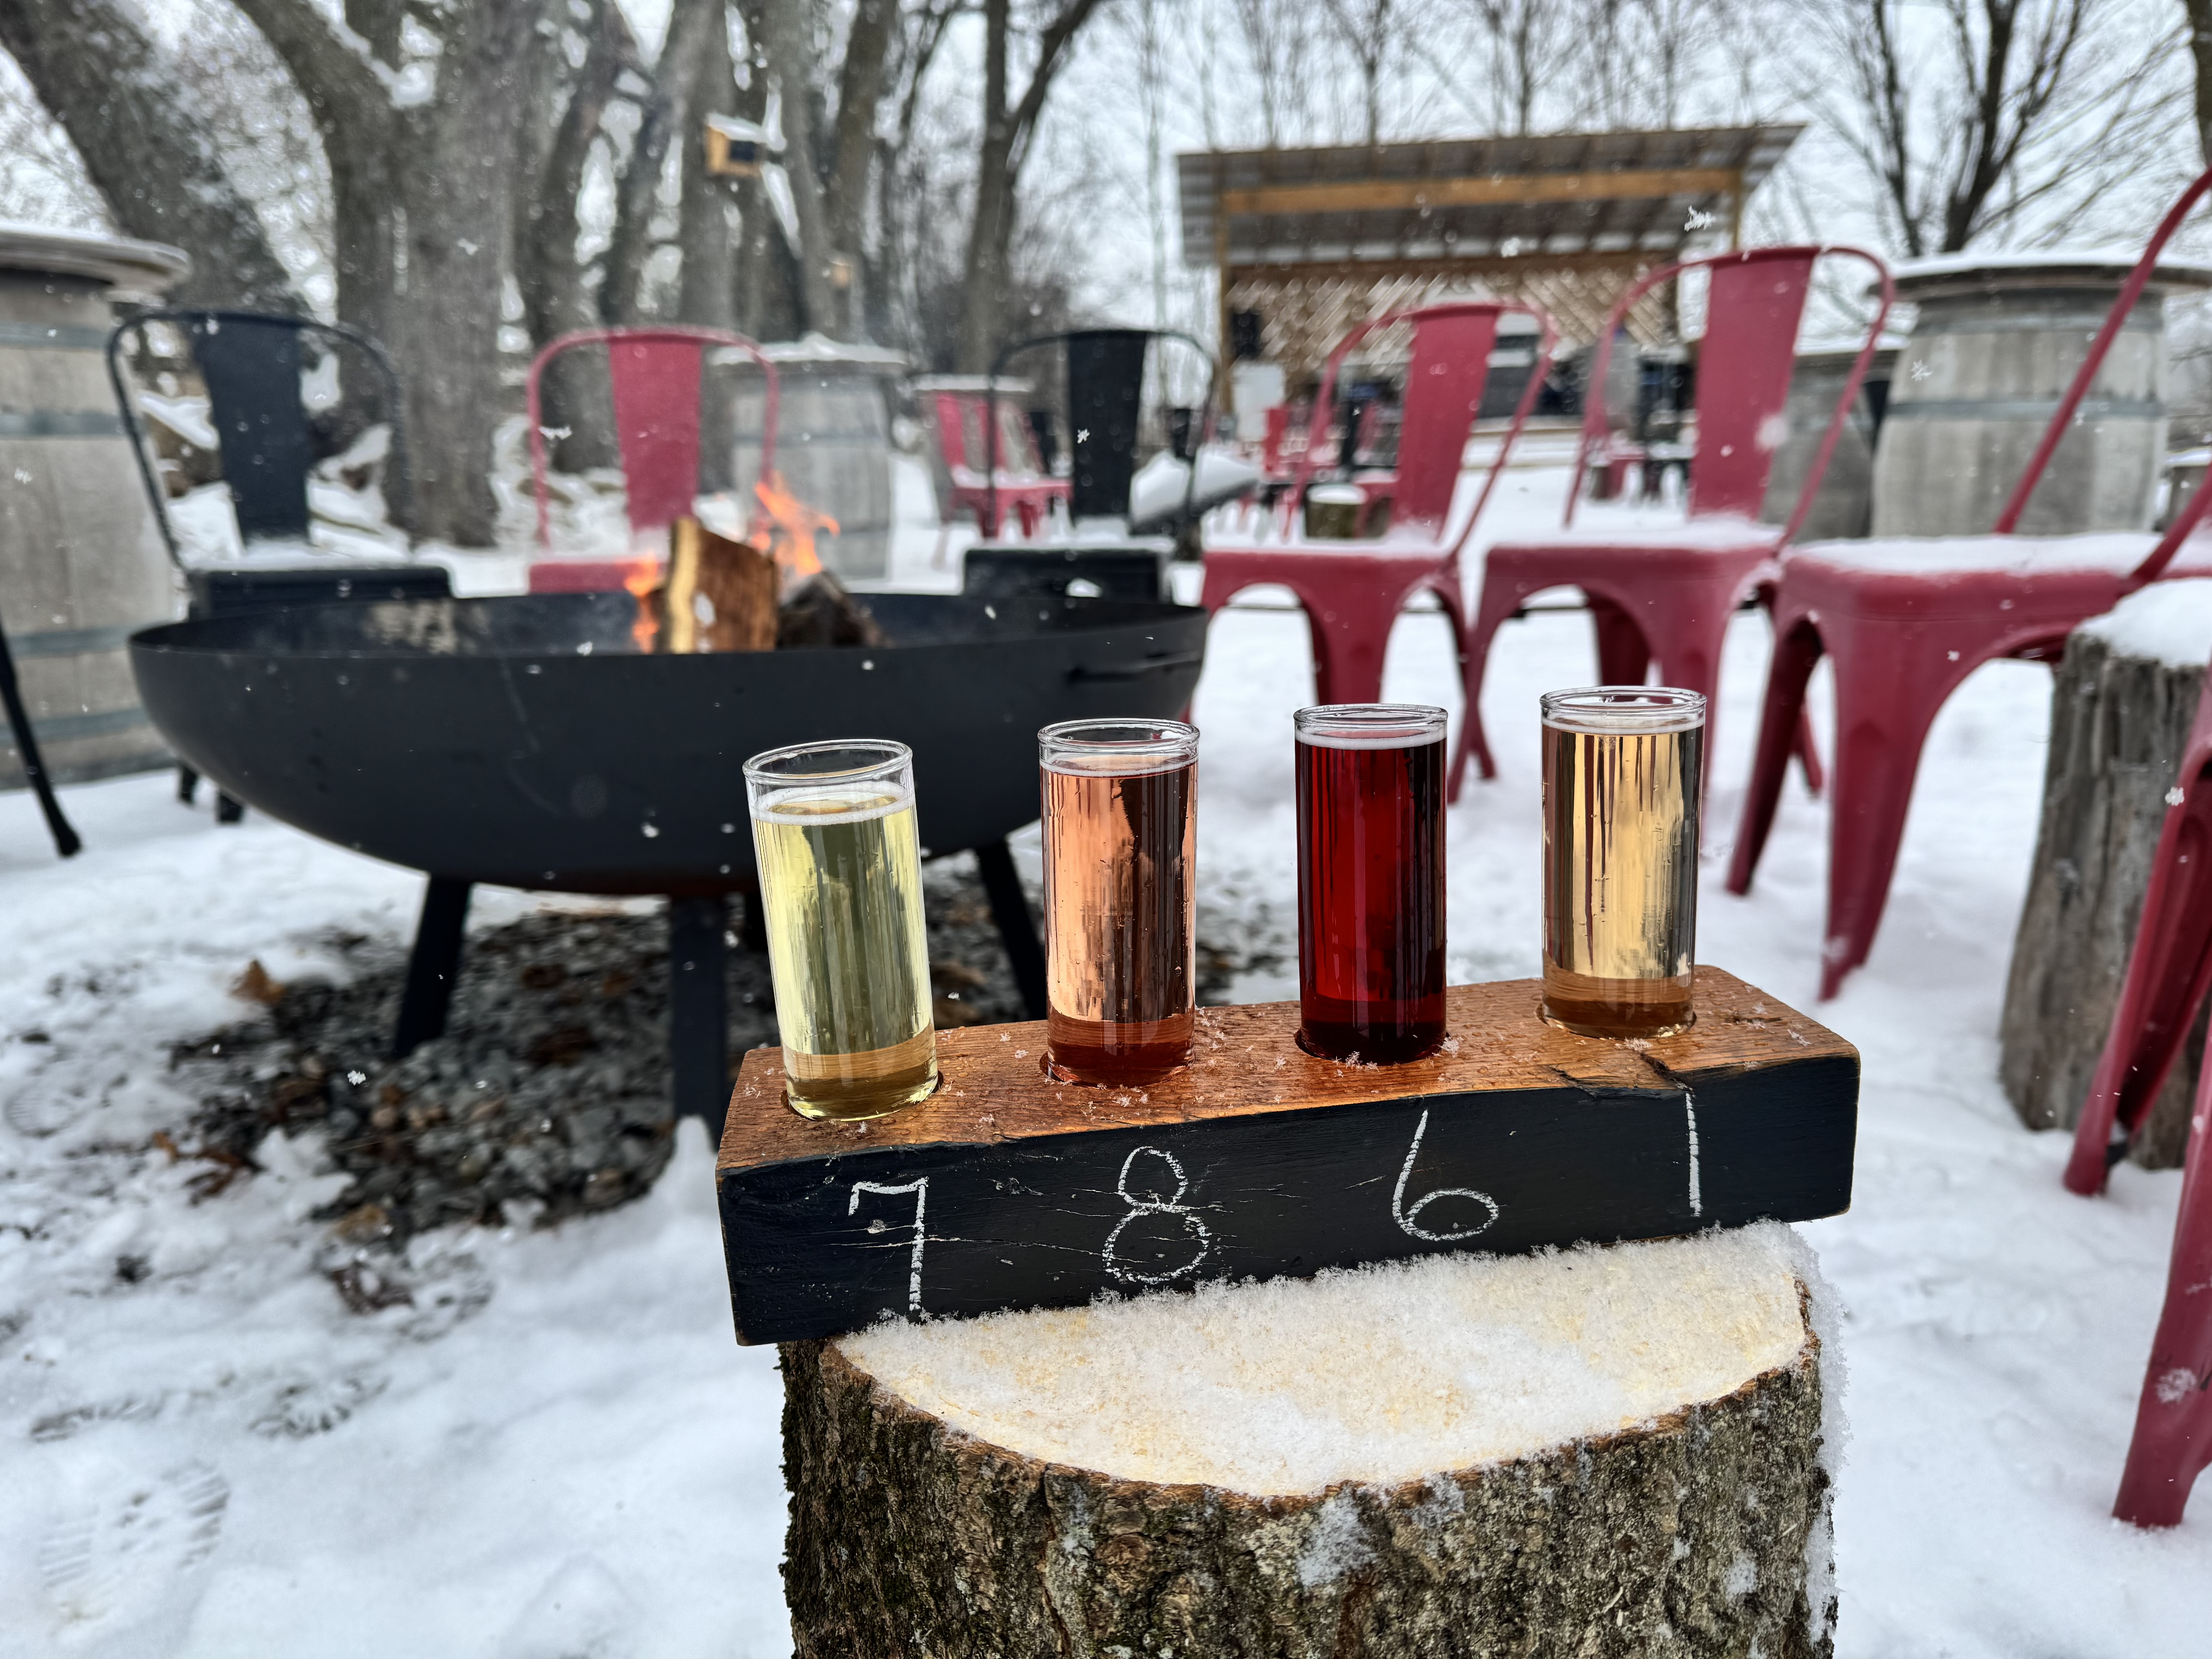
1280	36
1009	127
155	160
1367	29
2200	52
2014	106
1529	46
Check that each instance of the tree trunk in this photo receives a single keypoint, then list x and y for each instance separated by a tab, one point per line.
556	297
2200	52
708	294
1698	1527
2119	725
146	147
787	26
456	180
672	116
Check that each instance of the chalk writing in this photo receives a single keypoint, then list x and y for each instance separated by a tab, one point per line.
1172	1205
1410	1220
919	1188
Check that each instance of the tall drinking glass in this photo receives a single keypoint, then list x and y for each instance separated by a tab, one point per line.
1621	771
1119	864
841	886
1370	785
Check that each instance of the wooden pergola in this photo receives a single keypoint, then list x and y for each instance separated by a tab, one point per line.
1319	240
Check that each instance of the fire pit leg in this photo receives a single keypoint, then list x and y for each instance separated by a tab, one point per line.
1010	908
433	964
698	1009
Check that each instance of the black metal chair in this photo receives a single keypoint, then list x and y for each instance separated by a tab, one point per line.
251	362
26	750
1105	384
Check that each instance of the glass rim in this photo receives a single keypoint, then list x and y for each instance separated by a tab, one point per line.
1371	725
1118	744
891	755
1624	708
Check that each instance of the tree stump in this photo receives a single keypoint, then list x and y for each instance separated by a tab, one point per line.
2120	715
1606	1452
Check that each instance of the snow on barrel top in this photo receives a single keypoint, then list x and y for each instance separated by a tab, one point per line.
1379	1374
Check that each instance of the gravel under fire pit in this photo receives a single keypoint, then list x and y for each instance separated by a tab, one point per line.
548	1093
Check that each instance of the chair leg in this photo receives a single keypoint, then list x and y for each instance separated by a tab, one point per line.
2169	971
1500	598
1351	633
433	965
1010	908
1624	656
1795	654
188	784
1882	717
698	1009
1809	755
2173	1440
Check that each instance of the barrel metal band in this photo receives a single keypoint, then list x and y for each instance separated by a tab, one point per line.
60	424
53	336
2021	409
69	642
2086	323
70	728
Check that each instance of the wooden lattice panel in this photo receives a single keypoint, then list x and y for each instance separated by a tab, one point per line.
1306	311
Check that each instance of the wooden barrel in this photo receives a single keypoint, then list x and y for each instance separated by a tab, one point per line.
1844	505
1996	341
832	443
82	561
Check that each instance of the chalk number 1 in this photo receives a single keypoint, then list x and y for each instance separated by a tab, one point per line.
919	1188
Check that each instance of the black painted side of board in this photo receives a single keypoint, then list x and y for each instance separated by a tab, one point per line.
819	1246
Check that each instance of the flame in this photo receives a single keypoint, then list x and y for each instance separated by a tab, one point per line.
786	527
643	580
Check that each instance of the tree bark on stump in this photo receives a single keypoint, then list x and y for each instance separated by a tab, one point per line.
1702	1532
2118	727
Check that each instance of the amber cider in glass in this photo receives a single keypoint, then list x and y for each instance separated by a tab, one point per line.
1622	766
1120	826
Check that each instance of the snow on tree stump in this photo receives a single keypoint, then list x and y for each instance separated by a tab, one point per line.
1617	1450
2121	707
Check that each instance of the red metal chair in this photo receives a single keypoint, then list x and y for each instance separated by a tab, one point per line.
961	410
1905	623
1352	592
1669	594
655	376
2168	973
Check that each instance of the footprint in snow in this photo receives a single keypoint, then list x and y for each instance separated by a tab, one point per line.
118	1550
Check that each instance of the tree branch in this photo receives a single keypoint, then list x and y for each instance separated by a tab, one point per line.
349	101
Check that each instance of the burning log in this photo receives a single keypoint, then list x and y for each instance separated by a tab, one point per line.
737	580
769	590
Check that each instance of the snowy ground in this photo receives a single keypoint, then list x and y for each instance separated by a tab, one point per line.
558	1449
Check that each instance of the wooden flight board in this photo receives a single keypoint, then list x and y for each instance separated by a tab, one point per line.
1006	1189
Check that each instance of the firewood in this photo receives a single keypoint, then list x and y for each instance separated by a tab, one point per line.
739	583
819	612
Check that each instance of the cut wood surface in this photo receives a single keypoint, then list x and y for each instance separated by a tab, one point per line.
2118	724
1607	1452
1008	1189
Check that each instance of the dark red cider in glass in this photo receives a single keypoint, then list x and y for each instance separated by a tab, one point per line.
1370	785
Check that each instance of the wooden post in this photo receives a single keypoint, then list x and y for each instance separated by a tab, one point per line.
2119	725
1611	1452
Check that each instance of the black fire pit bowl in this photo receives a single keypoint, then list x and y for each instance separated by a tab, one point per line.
527	742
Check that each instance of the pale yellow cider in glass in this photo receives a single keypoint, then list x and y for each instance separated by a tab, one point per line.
841	885
1621	878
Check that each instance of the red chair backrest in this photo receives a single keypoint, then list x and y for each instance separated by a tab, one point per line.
1744	366
962	440
2154	566
655	374
1444	378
